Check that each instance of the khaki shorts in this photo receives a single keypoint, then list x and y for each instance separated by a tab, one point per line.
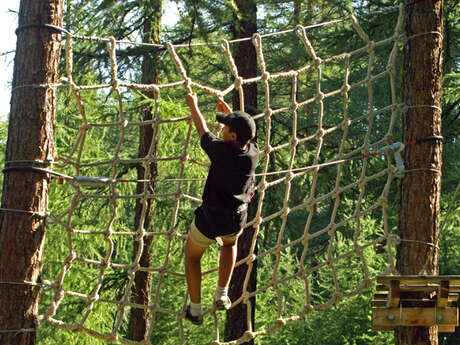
198	238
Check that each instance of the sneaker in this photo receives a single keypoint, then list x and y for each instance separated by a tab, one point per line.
223	303
196	320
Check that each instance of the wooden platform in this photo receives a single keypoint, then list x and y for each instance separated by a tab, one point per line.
416	301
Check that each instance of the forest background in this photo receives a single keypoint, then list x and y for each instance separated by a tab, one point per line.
347	322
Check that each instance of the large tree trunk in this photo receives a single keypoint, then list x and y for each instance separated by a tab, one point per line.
421	185
148	144
25	191
245	53
246	62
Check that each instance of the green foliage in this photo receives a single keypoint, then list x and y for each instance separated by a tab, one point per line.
449	261
347	322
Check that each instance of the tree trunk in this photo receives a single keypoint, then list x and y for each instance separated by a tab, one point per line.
246	62
296	14
421	185
25	191
245	53
148	145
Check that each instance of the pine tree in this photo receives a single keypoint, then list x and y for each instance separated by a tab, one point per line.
25	189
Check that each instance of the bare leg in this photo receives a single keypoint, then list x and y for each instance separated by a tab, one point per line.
227	261
193	254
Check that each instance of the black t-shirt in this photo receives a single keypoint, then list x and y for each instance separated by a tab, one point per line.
228	186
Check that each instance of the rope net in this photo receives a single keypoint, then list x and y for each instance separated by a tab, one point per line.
316	232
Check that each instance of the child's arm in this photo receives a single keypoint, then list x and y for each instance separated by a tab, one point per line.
197	117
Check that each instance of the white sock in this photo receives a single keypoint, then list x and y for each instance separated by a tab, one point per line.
195	308
221	292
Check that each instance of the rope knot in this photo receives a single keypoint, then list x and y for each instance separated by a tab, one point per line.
104	264
318	62
268	149
156	89
346	124
238	82
256	39
289	177
320	133
249	335
308	308
268	113
258	220
280	322
188	84
371	46
337	297
60	295
179	194
299	30
251	259
263	186
319	97
115	83
134	268
107	234
139	234
345	88
286	212
72	256
295	141
225	46
93	299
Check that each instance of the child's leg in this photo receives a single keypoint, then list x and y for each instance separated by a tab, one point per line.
193	254
227	261
226	265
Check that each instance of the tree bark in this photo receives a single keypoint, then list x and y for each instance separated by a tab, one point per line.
245	53
25	191
246	62
421	184
148	145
